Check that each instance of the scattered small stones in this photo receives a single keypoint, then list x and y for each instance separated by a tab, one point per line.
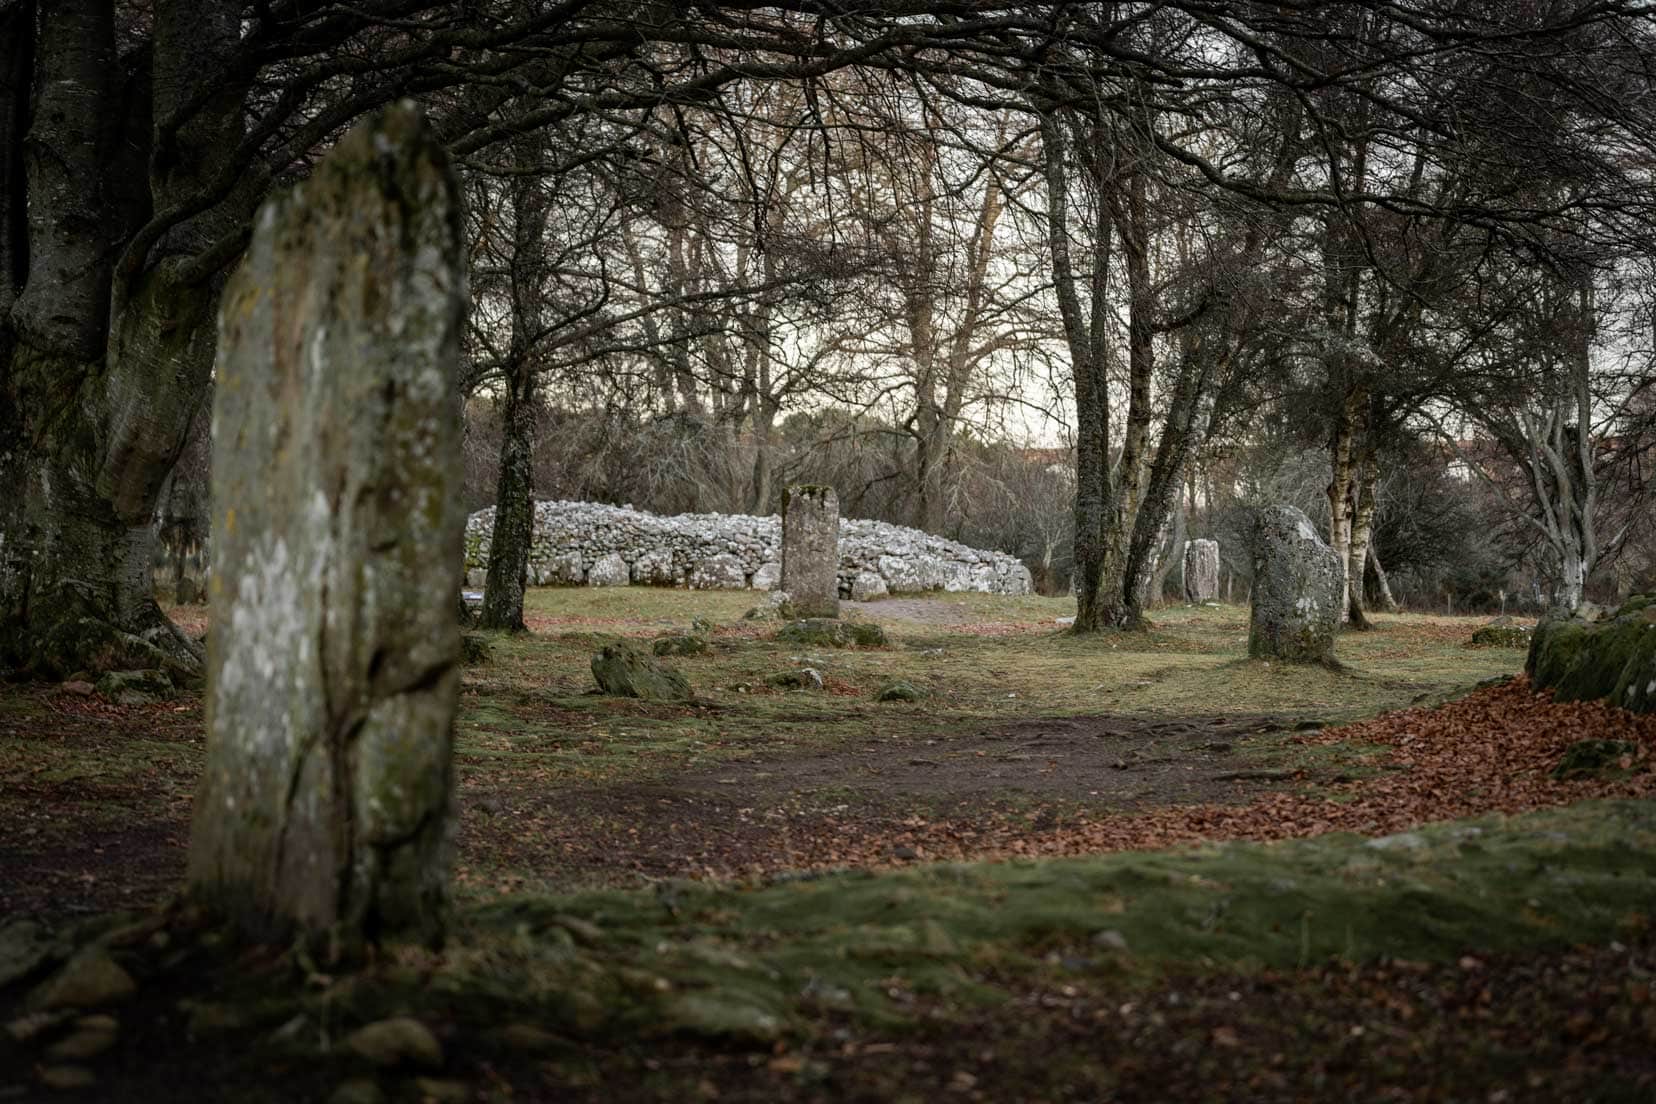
91	1037
442	1092
67	1078
1110	938
398	1041
89	980
358	1090
626	672
24	948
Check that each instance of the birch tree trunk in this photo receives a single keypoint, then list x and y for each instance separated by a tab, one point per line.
1364	486
1387	601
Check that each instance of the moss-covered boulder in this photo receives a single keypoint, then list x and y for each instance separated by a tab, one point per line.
1595	758
803	678
830	632
899	690
626	672
476	650
679	644
136	687
1503	632
1612	658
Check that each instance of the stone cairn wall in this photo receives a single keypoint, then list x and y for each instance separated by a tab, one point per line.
589	544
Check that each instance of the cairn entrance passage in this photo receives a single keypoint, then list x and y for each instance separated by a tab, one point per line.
333	660
810	550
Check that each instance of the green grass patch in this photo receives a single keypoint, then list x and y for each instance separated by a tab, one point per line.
746	961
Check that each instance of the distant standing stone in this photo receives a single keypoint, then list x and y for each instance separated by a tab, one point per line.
333	665
1201	571
1297	590
810	550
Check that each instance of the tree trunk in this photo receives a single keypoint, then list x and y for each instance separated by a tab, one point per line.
1342	475
1362	530
763	489
1085	327
1124	564
1173	554
105	365
1387	602
514	517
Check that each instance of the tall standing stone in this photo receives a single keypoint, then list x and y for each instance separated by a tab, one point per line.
337	551
1201	571
810	550
1298	590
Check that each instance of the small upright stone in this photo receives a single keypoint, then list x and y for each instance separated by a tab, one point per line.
1297	590
1201	571
810	550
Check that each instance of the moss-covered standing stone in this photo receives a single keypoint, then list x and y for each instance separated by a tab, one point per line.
810	549
333	662
1298	588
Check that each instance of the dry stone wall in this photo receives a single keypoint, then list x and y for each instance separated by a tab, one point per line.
589	544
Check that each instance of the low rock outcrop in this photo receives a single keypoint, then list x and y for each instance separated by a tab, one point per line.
589	544
1611	657
624	671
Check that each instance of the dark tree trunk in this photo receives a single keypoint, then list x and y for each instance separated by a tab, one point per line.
105	364
514	519
1126	555
1084	334
508	572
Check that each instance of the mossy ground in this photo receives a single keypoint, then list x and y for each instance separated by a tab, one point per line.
584	966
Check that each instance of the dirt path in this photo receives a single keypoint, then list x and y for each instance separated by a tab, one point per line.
767	813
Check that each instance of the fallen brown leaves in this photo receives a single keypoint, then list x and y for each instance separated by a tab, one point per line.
1492	751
